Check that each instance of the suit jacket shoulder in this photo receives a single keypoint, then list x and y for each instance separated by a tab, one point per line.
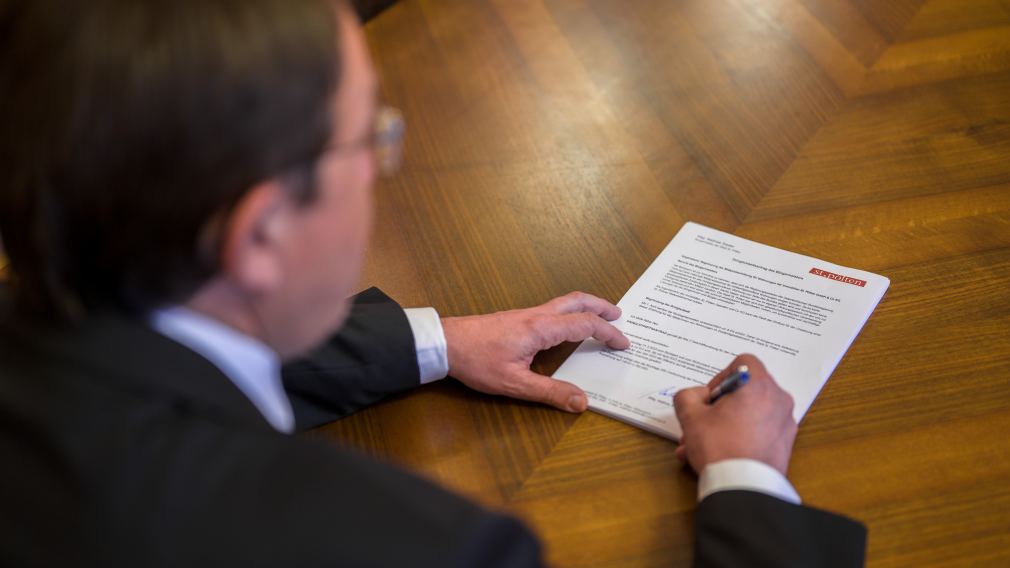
123	448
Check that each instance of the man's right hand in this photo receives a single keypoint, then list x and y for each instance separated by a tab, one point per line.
754	422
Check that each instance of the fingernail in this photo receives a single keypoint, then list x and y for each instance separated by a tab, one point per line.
577	403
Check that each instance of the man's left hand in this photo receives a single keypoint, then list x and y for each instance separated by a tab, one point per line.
492	353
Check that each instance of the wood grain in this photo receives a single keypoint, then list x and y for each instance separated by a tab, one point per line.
559	144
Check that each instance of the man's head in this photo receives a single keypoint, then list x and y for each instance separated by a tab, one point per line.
180	152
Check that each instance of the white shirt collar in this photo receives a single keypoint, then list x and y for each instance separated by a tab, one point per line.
252	366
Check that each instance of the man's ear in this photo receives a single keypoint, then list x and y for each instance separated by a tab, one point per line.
252	255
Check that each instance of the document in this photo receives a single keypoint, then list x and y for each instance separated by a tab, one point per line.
708	297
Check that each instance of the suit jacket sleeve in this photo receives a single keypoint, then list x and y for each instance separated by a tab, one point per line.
746	528
371	357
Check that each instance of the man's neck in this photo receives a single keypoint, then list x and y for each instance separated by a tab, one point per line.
223	302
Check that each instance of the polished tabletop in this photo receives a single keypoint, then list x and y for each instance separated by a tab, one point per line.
558	145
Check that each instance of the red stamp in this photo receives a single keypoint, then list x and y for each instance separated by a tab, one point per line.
838	277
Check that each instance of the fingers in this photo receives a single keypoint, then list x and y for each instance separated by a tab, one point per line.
755	422
681	452
559	394
688	401
575	302
755	368
579	326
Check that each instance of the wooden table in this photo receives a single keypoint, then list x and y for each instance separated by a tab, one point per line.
558	145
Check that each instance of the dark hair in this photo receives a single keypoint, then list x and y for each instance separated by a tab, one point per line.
127	127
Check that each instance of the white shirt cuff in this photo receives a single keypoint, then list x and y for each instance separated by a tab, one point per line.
746	474
429	340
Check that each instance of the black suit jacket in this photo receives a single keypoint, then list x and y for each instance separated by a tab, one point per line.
123	448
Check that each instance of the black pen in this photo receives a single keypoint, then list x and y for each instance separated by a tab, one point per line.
735	380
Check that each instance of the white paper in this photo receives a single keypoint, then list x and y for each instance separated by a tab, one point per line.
708	297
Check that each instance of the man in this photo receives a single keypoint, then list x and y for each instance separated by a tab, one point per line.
185	199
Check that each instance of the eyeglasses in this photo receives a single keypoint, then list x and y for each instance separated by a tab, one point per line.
385	141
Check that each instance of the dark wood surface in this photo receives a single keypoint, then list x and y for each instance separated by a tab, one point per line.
557	145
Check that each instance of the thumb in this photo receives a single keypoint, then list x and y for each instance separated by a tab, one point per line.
559	394
688	401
